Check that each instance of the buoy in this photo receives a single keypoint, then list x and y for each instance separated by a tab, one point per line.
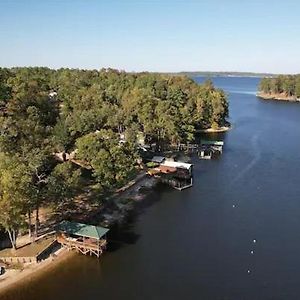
252	252
254	241
248	271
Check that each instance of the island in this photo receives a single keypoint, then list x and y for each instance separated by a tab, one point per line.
283	87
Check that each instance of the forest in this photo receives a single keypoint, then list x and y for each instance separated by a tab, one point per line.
288	85
45	111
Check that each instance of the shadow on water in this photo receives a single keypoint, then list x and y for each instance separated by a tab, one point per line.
121	235
124	234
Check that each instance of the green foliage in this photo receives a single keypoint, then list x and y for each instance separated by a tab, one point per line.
14	195
283	84
111	161
63	183
151	164
90	111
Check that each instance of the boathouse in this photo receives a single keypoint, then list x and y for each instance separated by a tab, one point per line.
181	167
86	239
209	149
176	174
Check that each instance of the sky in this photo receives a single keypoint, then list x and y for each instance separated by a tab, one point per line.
152	35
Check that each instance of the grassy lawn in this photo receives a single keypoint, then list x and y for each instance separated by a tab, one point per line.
29	250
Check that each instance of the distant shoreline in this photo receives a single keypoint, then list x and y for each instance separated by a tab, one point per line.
223	74
277	97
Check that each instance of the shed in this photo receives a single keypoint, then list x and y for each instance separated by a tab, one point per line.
158	159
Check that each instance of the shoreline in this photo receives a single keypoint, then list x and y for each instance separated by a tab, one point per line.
14	278
136	190
277	97
215	130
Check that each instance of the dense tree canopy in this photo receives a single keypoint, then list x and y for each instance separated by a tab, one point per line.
44	111
288	85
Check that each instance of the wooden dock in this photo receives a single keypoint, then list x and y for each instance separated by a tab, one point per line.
209	149
86	247
177	185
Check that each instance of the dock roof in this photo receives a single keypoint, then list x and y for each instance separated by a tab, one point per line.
212	143
79	229
176	164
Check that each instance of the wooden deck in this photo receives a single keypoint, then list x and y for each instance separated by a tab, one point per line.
86	246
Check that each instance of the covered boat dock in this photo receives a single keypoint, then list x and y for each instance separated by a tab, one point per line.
86	239
210	148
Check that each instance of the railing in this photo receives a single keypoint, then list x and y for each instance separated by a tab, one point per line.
19	259
77	243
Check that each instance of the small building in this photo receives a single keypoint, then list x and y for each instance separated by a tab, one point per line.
176	174
52	94
158	159
179	166
86	239
208	149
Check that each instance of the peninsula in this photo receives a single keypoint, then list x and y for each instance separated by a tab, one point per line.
283	88
75	145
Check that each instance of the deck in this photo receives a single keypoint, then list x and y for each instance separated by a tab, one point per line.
84	246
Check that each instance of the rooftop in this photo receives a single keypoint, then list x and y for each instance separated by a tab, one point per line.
158	159
79	229
212	143
176	164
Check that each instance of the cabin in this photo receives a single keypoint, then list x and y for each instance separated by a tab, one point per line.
209	149
85	239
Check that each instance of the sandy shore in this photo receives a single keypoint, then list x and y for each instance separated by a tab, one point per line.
13	278
215	130
279	97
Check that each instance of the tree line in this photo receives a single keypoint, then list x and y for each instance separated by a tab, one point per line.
44	111
289	85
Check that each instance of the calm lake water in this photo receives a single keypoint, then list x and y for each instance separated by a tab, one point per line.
196	244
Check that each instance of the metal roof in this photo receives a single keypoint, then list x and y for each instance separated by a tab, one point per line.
212	143
176	164
158	159
79	229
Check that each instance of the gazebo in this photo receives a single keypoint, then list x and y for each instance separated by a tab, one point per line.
86	239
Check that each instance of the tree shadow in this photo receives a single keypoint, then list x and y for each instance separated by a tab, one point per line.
121	235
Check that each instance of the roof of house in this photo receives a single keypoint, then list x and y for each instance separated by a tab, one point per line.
166	169
79	229
212	143
158	159
176	164
153	171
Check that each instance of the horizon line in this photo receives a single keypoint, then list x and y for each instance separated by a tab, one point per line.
148	71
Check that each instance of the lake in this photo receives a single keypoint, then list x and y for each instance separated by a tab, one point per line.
234	235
